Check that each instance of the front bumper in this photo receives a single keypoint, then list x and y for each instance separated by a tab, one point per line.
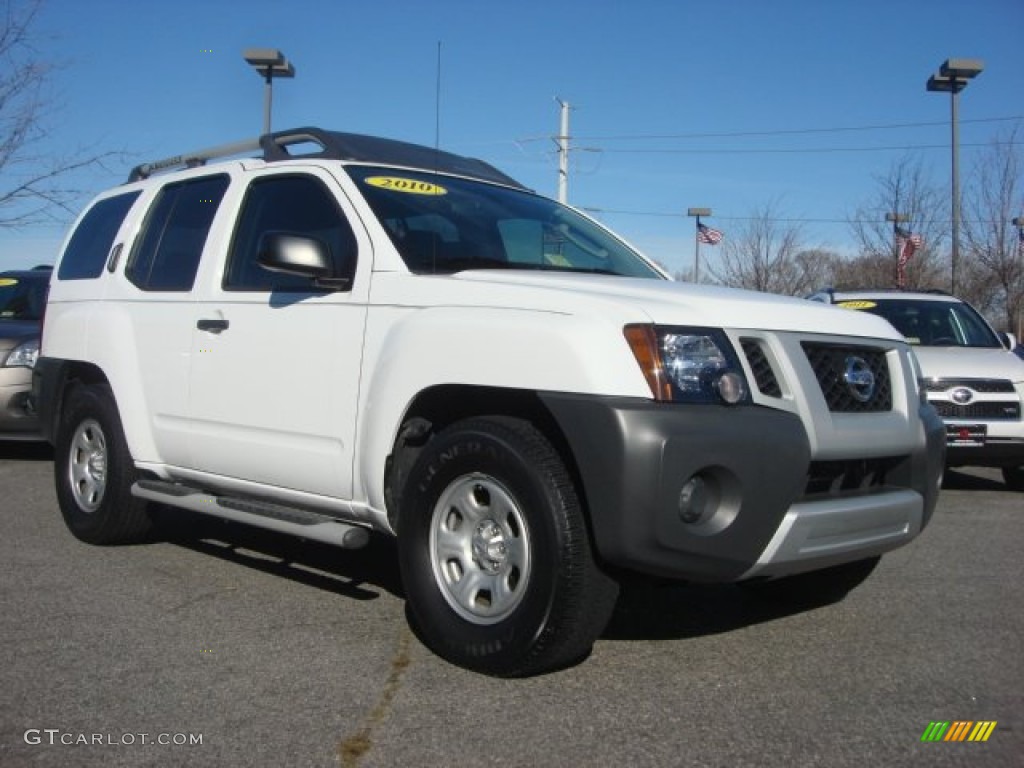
769	508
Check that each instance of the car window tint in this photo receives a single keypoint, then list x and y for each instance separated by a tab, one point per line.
299	205
87	250
166	255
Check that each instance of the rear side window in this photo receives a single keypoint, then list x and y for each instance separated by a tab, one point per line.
89	245
166	255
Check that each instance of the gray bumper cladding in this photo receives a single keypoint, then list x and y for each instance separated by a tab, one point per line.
717	493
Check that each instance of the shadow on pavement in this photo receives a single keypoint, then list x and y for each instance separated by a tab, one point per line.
961	480
649	609
15	450
356	574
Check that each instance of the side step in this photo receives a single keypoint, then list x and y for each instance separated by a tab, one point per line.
276	517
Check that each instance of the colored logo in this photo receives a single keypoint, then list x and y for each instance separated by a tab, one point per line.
409	186
859	378
961	396
959	730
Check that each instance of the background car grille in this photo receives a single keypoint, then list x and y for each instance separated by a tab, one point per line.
978	385
982	410
829	362
764	376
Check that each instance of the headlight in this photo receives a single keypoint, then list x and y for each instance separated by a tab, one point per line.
24	355
688	364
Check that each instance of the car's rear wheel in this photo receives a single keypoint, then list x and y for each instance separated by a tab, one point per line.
94	471
494	551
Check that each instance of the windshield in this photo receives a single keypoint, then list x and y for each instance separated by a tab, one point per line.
442	224
931	323
22	298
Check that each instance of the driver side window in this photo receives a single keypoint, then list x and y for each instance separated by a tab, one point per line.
294	204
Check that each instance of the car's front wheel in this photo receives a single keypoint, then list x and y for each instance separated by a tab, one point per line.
494	551
94	471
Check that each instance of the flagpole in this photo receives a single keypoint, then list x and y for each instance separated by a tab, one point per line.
697	212
896	218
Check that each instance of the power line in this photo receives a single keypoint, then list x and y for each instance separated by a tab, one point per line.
782	132
797	151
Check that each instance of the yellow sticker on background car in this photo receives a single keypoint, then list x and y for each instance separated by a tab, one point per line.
409	186
861	304
6	281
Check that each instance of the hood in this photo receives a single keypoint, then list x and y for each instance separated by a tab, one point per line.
969	363
660	301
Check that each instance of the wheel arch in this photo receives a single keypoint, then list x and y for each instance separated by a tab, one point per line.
437	407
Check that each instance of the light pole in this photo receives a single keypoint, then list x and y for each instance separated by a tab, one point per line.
952	77
698	212
268	63
1018	222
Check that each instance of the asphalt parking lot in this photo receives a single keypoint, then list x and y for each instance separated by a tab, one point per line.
218	646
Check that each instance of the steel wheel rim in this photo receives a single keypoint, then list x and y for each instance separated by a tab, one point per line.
87	465
480	549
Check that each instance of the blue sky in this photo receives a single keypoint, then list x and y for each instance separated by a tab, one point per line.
151	79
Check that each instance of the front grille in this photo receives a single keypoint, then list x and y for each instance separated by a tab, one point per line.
841	373
764	376
835	478
978	385
982	410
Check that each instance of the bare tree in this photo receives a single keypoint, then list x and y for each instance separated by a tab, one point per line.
34	184
995	197
767	254
907	191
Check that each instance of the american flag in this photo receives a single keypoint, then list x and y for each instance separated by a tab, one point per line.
706	234
907	243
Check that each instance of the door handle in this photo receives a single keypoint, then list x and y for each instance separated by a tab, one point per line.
211	325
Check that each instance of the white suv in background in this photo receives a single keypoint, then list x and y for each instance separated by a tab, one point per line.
971	375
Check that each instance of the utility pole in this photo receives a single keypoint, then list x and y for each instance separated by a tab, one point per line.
563	153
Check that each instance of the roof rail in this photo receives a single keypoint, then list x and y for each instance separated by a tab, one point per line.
334	145
193	159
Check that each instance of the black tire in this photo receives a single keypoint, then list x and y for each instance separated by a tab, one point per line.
94	471
1014	478
494	552
822	587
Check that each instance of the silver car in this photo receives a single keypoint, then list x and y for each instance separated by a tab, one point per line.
22	301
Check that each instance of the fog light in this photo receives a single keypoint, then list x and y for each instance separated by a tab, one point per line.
693	500
731	387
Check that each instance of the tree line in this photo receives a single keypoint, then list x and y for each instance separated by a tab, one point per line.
770	253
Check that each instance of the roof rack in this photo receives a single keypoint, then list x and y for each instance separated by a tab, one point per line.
334	145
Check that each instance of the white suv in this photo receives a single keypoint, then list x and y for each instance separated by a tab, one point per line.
376	336
971	375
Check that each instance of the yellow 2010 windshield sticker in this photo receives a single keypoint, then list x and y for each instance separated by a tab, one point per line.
856	304
6	281
409	186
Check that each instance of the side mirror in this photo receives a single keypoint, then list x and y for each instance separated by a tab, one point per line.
1009	340
300	255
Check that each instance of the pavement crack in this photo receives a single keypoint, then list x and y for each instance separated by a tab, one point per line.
352	749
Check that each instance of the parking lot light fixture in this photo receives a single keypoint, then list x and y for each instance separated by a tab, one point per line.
268	63
952	77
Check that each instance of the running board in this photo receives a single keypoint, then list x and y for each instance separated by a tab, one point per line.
275	517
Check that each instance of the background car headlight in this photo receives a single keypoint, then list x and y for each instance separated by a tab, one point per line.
24	355
688	364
